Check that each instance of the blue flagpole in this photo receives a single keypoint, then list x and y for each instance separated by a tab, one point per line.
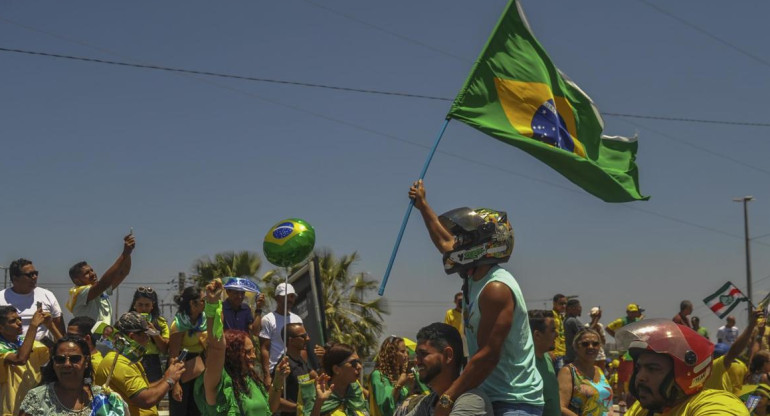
409	210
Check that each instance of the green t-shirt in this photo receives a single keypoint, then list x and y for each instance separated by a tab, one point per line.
381	401
255	403
550	386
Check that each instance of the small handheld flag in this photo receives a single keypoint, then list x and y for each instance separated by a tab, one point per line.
724	300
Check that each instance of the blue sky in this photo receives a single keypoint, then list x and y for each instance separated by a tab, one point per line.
198	165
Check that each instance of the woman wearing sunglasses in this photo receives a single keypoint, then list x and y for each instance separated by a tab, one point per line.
230	384
145	302
66	387
390	382
337	391
583	390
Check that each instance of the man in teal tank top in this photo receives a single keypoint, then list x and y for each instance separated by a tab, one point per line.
502	355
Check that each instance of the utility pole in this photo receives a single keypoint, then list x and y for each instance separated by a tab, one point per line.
745	201
182	278
5	277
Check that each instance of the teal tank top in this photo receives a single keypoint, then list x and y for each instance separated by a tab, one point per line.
515	379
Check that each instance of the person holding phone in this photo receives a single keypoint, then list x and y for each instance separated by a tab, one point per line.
125	372
20	356
146	303
188	331
91	295
27	297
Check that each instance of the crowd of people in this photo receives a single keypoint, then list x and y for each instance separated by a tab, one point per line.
490	356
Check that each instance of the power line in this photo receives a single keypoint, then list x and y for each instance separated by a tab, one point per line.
341	88
389	32
705	32
700	148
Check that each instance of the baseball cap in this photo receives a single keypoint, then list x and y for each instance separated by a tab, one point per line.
284	289
241	284
720	349
632	307
134	322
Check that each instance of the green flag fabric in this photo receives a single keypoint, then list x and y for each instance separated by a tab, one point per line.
515	94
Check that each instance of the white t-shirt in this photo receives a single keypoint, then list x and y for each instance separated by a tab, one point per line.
727	335
27	305
272	325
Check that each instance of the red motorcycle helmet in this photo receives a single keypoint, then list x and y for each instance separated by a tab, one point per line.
689	351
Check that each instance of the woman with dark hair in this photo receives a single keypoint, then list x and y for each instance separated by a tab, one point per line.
759	368
230	384
390	382
337	392
66	386
145	302
188	331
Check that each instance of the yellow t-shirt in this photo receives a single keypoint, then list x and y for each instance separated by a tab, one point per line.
195	343
454	318
162	327
15	379
705	403
96	359
737	373
560	343
719	379
127	380
617	324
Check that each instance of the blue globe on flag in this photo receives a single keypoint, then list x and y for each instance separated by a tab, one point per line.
289	242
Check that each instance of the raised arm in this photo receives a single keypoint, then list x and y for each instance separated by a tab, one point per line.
264	346
117	272
742	341
282	370
21	356
442	239
496	305
215	353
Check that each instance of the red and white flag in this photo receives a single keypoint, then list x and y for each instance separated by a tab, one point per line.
725	299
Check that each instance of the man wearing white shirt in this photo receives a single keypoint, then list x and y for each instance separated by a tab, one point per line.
270	340
729	332
24	295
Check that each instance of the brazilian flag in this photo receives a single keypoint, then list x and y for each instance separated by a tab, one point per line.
515	94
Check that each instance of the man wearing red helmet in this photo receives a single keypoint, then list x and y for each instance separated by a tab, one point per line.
671	365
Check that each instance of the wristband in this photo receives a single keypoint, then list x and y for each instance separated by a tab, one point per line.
214	310
170	382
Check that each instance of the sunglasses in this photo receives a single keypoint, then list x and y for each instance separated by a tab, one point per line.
61	359
354	363
31	274
586	344
147	289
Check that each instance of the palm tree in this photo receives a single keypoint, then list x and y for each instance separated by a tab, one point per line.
229	263
352	317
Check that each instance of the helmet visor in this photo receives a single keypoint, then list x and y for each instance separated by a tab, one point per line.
662	336
464	218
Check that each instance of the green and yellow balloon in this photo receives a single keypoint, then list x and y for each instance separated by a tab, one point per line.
289	242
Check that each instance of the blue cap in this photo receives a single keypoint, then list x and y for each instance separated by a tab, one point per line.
241	284
720	349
